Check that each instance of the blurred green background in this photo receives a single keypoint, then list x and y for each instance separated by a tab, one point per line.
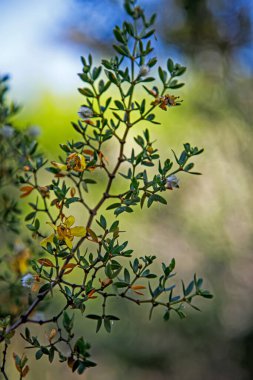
207	225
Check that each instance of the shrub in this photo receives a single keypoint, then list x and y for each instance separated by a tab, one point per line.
64	261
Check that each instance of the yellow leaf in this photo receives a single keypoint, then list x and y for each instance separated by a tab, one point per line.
52	334
135	288
69	221
68	242
138	287
21	261
78	231
82	161
52	225
92	235
48	239
59	166
72	191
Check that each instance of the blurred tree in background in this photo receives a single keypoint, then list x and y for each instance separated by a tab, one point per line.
190	27
214	36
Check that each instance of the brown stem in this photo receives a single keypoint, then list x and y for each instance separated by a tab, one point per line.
4	361
24	318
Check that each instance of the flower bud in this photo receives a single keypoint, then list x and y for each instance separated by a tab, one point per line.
85	113
28	280
172	182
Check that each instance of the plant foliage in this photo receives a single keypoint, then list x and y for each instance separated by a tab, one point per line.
91	260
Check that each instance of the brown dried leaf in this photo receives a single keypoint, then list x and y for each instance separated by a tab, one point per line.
46	263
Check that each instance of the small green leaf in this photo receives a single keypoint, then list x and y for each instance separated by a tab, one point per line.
86	92
107	324
170	65
38	354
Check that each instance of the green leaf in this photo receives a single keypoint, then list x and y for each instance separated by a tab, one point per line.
38	354
172	265
176	85
99	324
96	72
67	322
112	318
170	65
180	71
30	216
121	284
152	62
102	221
107	324
76	365
81	368
71	200
160	199
147	274
44	288
135	265
148	34
123	50
114	226
79	346
128	8
112	206
166	316
27	333
189	288
150	117
206	294
146	80
121	209
93	316
152	19
126	276
188	167
162	74
119	105
86	92
118	35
